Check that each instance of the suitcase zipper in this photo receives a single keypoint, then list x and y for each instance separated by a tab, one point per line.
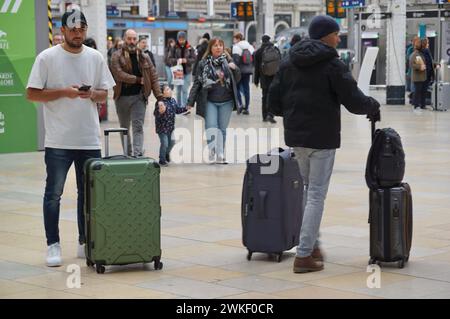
387	225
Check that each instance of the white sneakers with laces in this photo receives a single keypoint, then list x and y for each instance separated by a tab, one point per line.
81	252
54	255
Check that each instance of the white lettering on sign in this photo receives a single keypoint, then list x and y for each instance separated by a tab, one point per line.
6	79
4	45
2	123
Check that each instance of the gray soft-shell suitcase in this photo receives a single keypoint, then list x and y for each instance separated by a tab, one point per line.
122	210
272	203
440	96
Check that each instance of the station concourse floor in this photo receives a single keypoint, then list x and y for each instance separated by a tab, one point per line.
201	224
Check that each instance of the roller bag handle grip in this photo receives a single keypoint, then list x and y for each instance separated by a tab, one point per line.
123	132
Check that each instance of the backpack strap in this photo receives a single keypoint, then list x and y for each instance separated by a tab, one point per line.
370	178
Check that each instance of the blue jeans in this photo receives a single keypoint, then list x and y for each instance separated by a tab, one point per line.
183	91
216	121
316	167
244	88
58	162
166	146
169	76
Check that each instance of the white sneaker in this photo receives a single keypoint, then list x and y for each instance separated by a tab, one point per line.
54	255
418	111
81	252
221	160
212	156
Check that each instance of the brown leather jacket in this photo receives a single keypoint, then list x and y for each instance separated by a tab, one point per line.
122	71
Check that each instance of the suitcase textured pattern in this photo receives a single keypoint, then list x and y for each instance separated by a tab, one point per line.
441	98
122	211
272	206
391	220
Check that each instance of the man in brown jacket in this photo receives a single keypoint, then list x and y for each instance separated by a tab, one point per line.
136	78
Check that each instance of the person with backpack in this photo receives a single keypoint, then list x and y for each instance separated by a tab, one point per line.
243	58
267	62
308	91
200	49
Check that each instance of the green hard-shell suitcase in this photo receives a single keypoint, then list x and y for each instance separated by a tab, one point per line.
122	209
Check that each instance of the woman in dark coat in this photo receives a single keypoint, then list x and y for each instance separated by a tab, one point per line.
215	93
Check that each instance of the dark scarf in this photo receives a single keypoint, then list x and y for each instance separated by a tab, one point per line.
210	76
126	53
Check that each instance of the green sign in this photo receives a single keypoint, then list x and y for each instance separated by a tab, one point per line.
18	117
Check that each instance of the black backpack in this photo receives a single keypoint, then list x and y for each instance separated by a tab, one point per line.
271	59
386	161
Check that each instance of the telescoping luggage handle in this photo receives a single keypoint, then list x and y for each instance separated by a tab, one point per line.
372	129
123	132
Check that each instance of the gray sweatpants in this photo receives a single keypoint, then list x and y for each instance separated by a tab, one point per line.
132	108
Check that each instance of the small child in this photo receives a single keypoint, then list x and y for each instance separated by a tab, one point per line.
165	123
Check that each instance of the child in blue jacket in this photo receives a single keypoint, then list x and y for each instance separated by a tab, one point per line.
165	123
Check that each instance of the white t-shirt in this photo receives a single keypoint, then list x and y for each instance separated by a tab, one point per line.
71	123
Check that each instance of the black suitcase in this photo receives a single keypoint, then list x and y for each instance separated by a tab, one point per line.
272	204
391	222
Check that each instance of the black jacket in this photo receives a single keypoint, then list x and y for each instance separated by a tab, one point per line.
199	95
308	91
152	58
201	49
260	78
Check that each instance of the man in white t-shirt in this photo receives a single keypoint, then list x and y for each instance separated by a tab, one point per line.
69	79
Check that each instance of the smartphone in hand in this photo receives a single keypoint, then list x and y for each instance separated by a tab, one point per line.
84	88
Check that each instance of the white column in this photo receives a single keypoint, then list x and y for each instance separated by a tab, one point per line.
62	7
296	17
269	19
210	4
259	21
395	53
241	26
95	12
143	8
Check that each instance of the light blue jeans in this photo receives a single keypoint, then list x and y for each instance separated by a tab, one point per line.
183	91
316	167
169	76
216	122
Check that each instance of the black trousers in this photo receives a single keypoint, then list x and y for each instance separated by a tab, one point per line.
420	94
265	94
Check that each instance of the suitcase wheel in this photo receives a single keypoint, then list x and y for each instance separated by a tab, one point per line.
89	263
100	269
279	257
158	265
249	255
401	263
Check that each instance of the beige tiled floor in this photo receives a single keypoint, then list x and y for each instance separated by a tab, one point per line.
201	227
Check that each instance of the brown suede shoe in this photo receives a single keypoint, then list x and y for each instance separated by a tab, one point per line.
307	264
317	255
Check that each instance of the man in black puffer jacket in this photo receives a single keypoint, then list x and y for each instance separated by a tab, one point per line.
308	91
